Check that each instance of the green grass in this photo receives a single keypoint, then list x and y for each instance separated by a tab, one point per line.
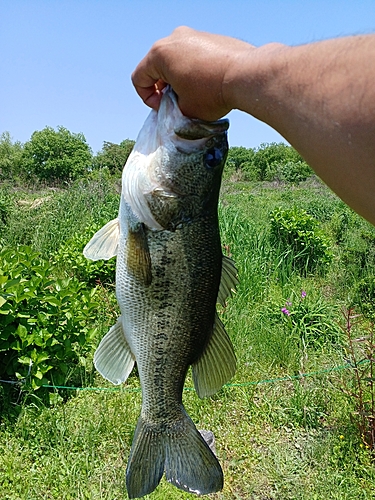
291	439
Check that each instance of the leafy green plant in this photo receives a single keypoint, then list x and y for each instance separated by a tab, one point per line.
298	236
46	324
360	388
268	158
289	171
364	297
70	259
310	319
60	214
10	157
56	155
113	156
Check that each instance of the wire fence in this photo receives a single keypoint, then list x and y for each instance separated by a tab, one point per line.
286	378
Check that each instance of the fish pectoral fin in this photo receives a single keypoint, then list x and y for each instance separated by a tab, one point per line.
138	259
229	280
113	358
103	245
180	450
217	363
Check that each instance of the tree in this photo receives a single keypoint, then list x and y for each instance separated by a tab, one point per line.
239	157
113	156
272	159
56	155
10	156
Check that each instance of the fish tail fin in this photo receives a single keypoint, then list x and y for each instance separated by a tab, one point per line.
146	461
181	451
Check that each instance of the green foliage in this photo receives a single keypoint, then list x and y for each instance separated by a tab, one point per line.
70	259
48	221
60	155
45	323
290	171
298	236
310	320
360	387
239	159
279	162
10	156
6	207
364	297
281	438
113	156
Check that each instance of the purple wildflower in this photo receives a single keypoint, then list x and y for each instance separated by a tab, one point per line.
303	294
285	311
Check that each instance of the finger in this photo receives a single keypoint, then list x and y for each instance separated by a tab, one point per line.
151	95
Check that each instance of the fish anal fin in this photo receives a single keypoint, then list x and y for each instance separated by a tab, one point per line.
216	365
229	280
113	358
103	245
138	259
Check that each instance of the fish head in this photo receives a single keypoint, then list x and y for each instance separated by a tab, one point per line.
174	172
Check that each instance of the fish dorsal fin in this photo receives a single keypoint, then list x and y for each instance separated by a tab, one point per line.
113	358
229	280
103	245
216	365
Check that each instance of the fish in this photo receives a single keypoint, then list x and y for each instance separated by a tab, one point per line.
170	275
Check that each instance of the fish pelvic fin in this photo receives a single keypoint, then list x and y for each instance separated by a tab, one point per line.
229	280
180	451
216	365
103	245
113	358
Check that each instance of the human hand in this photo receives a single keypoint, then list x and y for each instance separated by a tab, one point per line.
197	65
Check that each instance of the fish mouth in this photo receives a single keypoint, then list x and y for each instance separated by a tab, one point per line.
196	129
190	129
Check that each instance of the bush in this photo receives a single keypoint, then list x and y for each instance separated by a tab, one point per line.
290	171
270	158
70	259
113	156
45	323
297	235
60	155
10	157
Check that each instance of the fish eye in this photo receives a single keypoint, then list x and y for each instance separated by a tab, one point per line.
213	157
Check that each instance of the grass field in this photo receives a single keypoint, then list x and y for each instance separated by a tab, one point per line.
279	435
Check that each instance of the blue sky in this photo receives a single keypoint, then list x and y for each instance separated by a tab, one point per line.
68	62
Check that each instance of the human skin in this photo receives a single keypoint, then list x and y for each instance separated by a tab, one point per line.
319	96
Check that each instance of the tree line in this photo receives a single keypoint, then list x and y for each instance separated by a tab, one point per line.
57	156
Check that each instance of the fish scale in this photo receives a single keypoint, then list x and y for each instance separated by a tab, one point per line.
170	274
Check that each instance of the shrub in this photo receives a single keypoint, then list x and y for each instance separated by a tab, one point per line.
70	259
45	323
297	235
113	156
10	157
290	171
268	158
56	155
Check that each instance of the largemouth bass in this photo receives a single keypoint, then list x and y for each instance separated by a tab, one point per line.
170	274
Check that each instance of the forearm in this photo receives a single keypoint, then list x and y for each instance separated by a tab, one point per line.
321	98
